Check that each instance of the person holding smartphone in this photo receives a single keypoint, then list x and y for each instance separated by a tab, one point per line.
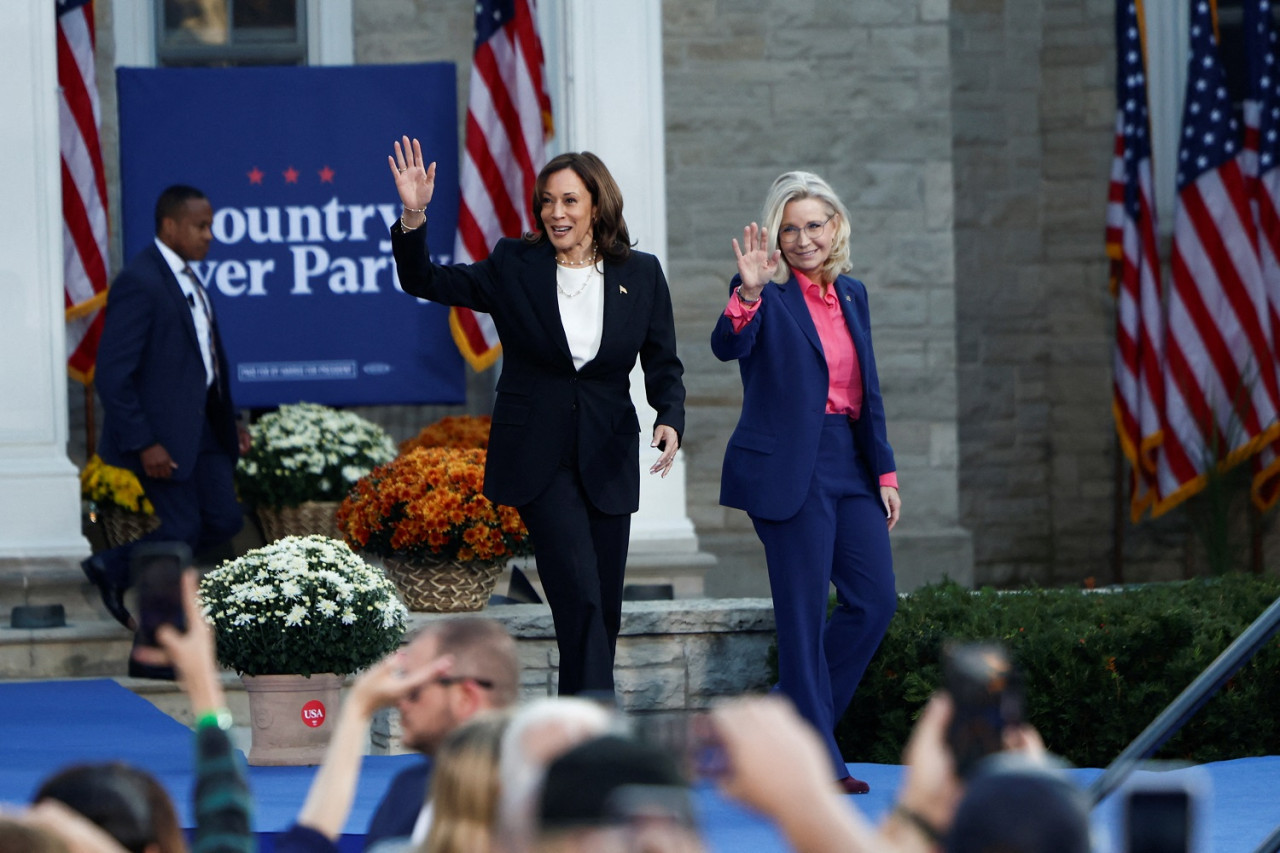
809	460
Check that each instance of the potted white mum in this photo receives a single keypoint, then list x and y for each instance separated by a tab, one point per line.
293	618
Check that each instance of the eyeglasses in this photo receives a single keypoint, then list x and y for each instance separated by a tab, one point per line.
449	681
790	233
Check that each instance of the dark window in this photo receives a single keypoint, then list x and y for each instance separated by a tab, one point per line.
231	32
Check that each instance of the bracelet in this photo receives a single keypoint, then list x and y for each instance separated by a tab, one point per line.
404	227
218	718
738	290
421	210
917	820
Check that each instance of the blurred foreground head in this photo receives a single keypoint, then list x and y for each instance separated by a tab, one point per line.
615	793
127	803
1013	805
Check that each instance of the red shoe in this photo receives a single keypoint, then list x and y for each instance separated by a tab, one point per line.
850	785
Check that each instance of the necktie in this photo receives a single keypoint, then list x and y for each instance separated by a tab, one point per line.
207	310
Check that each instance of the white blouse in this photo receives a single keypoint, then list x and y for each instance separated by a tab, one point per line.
580	293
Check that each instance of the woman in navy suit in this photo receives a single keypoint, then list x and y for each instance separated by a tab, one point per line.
574	306
809	460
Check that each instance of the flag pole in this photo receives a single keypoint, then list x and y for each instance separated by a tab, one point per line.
1117	513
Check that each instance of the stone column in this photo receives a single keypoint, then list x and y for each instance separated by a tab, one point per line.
39	491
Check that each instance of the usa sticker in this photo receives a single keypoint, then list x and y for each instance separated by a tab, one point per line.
313	713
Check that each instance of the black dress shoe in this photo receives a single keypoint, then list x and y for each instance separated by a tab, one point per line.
850	785
112	595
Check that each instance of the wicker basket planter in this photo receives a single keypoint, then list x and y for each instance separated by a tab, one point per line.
121	526
305	519
442	585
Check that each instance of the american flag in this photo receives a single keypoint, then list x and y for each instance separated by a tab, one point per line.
1260	162
1221	395
508	123
84	187
1137	390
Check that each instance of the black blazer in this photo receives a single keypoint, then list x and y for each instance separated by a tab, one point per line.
150	372
541	399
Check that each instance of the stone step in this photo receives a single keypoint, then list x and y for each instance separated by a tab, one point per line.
48	581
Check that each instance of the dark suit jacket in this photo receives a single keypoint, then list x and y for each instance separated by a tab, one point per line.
769	462
150	373
398	810
541	399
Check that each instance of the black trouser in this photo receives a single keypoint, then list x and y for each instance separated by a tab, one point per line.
581	554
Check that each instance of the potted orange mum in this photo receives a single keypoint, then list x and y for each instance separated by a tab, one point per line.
441	541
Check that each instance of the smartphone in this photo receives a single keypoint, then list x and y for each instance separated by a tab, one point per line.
987	694
1160	813
156	569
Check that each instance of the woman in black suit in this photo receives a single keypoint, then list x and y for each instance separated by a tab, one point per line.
574	306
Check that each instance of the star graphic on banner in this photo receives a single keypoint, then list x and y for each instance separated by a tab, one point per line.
326	175
290	175
255	175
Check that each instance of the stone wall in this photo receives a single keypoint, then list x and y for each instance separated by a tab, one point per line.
673	656
859	93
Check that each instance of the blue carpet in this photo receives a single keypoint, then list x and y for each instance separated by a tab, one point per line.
45	726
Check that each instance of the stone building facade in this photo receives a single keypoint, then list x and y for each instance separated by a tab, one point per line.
971	140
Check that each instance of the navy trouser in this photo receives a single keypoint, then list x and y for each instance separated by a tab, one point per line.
839	536
201	510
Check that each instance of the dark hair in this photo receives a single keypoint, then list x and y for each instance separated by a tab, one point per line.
113	796
1014	806
609	228
602	780
171	201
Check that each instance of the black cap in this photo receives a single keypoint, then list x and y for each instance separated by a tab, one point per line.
610	780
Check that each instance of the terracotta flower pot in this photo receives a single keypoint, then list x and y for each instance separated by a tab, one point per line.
290	715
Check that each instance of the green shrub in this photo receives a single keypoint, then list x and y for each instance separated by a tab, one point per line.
1099	666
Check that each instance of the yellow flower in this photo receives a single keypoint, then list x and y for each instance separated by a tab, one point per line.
103	483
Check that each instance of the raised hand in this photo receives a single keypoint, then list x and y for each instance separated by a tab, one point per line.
415	180
756	265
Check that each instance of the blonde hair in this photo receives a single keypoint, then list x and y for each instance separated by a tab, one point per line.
465	786
794	186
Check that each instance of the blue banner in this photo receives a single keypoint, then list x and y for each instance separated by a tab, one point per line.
294	161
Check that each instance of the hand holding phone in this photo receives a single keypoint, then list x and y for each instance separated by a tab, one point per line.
157	569
986	691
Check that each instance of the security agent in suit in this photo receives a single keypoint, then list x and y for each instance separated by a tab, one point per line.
162	376
809	459
574	306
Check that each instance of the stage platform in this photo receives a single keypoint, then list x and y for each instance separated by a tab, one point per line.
47	725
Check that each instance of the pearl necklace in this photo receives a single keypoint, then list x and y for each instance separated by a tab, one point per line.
568	263
591	273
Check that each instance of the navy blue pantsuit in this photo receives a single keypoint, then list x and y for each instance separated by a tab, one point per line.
810	483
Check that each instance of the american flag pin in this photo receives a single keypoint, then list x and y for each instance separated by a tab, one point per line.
621	289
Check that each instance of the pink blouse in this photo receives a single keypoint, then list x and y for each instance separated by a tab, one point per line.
844	389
